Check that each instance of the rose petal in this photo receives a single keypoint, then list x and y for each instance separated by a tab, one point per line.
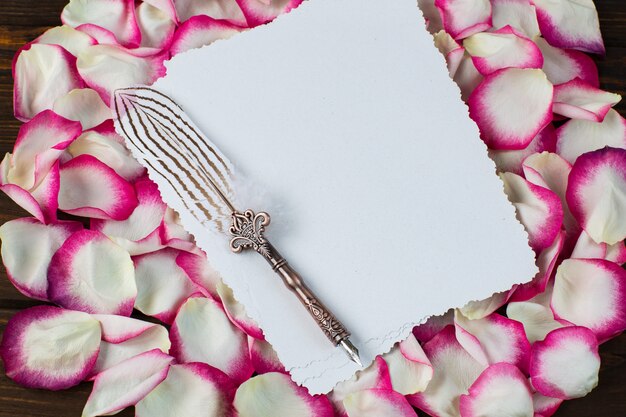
166	6
570	24
72	40
143	221
455	370
91	273
493	339
563	65
577	99
378	402
127	383
84	106
409	368
90	188
537	208
124	338
108	147
190	390
101	35
156	26
616	253
202	332
218	9
276	395
504	48
375	376
586	248
117	16
498	101
200	272
431	15
42	73
462	18
237	313
27	248
538	319
546	260
162	286
435	324
105	68
591	293
596	194
545	406
451	50
566	363
474	310
519	14
501	390
264	358
48	347
511	161
577	137
199	31
258	12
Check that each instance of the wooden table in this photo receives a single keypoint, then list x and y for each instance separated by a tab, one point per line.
23	20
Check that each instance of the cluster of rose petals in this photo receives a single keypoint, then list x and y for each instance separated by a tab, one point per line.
557	144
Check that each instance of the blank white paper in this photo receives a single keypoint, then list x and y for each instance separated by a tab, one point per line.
382	193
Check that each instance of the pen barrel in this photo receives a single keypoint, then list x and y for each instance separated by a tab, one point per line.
327	322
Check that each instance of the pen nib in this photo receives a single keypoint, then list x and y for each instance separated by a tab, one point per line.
351	350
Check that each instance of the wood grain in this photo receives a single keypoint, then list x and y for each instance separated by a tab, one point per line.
23	20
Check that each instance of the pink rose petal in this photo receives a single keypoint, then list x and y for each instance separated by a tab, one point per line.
124	338
192	389
498	101
501	390
577	99
435	324
431	15
101	35
545	406
511	161
409	368
493	339
166	6
475	310
264	358
504	48
586	248
42	73
217	9
108	147
48	347
375	376
616	253
84	106
577	137
378	402
565	364
237	313
105	68
91	273
90	188
156	26
537	208
519	14
202	332
596	194
570	24
201	30
72	40
591	293
144	220
462	18
162	286
27	248
454	372
117	16
127	383
200	272
537	318
258	12
563	65
276	395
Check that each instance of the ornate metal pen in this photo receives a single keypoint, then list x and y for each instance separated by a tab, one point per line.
153	128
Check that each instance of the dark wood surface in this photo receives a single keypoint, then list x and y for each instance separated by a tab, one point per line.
23	20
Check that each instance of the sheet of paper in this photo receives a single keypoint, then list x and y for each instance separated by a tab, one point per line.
381	191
